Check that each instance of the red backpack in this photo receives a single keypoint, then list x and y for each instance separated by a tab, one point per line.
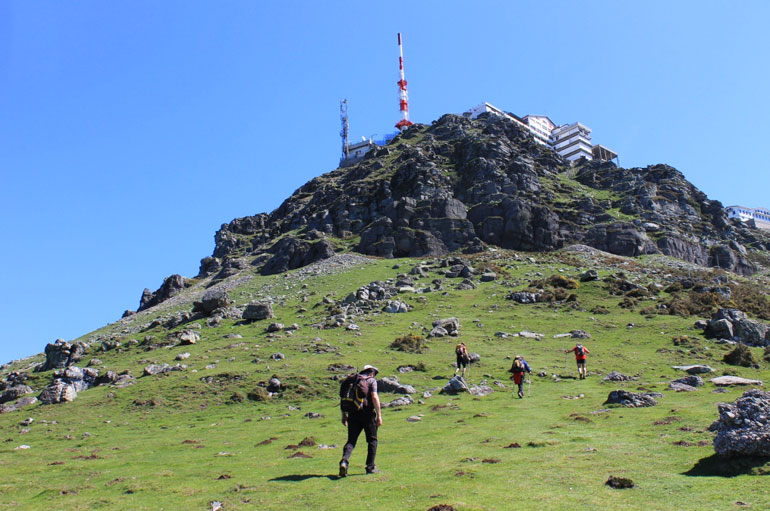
353	393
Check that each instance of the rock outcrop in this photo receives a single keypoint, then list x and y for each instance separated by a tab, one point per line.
461	184
630	399
170	287
60	354
733	325
743	427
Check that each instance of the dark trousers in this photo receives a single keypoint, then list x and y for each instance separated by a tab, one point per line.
361	421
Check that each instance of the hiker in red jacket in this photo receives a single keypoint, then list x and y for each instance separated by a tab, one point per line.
580	357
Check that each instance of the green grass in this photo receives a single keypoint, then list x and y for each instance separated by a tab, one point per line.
168	456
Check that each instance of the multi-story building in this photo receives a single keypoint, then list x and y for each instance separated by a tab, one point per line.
541	127
572	141
759	216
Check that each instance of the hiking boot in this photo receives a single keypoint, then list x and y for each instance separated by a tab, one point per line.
521	395
343	468
372	470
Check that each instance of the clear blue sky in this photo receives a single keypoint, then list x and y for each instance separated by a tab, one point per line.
131	130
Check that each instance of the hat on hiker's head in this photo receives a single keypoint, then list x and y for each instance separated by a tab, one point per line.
368	367
517	357
579	345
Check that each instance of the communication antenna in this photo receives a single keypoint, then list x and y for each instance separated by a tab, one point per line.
402	95
345	127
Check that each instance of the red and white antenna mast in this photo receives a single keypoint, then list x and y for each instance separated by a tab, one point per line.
402	95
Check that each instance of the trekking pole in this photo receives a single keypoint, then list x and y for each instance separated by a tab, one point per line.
529	386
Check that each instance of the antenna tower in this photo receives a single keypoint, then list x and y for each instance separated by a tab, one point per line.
402	95
344	131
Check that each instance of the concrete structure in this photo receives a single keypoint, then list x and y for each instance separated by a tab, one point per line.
572	141
356	152
602	153
541	128
487	108
759	217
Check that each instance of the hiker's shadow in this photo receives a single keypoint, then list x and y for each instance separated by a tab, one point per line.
303	477
715	466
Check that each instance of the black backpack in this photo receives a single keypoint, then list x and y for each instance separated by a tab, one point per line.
579	350
353	393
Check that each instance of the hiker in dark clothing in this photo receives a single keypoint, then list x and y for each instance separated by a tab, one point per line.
580	358
519	366
368	418
463	359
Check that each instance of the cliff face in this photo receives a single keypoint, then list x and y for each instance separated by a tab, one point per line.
460	184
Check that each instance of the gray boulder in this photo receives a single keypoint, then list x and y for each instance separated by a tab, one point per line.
743	427
616	376
187	337
733	324
438	332
525	297
488	277
691	380
466	284
630	399
451	325
681	387
401	401
589	275
455	385
14	393
154	369
275	327
392	385
695	369
58	392
480	390
257	311
726	381
396	307
212	300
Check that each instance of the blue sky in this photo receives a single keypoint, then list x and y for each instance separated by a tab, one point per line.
130	131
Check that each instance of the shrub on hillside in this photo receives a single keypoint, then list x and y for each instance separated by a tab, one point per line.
556	281
238	397
410	343
258	394
600	310
740	356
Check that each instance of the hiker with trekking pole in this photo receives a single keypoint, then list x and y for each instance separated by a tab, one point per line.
519	366
580	358
463	359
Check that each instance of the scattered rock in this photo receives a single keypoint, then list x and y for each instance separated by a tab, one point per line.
695	369
450	325
630	399
488	277
187	337
589	275
392	384
212	300
454	386
616	376
396	307
725	381
257	311
275	327
525	297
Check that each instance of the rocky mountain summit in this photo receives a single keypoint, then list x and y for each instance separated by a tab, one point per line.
461	185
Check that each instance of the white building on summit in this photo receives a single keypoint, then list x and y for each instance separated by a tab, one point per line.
572	141
760	217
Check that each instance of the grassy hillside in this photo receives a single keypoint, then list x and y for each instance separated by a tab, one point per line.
187	438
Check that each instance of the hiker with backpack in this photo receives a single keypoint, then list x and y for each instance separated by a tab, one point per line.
517	368
360	407
580	357
463	359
